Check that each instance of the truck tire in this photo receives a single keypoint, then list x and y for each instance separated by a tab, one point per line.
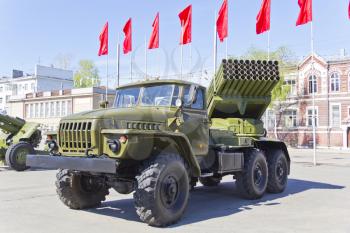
162	190
16	155
79	191
252	181
210	181
278	172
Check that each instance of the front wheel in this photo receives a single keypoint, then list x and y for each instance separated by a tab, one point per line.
80	191
16	155
252	181
162	190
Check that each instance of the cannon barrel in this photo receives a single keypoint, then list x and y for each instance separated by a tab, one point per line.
10	124
243	89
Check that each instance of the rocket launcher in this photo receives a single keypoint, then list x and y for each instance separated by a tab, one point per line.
242	88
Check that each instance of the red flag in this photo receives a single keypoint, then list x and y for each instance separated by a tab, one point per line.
305	14
263	18
127	45
104	41
186	25
349	10
154	40
222	21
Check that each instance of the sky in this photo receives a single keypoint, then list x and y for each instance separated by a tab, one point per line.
40	31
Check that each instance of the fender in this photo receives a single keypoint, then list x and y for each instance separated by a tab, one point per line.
181	143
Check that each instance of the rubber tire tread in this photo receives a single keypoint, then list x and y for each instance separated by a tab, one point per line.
145	192
68	190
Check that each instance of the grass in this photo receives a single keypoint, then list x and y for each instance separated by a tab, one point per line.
2	162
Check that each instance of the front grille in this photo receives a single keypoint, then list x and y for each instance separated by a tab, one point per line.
75	136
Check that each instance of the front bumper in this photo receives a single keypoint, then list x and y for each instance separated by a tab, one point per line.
98	165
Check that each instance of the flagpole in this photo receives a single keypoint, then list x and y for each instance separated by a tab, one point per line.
191	58
268	45
181	50
226	52
131	66
145	57
106	97
313	94
118	62
215	51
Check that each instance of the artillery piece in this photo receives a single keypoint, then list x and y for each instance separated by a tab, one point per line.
17	139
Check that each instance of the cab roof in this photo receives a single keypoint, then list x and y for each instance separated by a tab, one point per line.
158	81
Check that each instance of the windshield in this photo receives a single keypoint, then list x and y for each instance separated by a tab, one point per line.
161	95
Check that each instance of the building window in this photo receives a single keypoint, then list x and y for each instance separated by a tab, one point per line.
52	109
37	110
63	108
69	107
335	82
47	110
31	110
309	117
1	88
8	98
335	115
8	87
26	86
1	99
312	84
292	85
41	110
58	108
27	110
290	118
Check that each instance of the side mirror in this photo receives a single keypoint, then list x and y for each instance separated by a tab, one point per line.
103	104
192	95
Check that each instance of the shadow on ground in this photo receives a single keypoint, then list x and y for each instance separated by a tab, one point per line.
207	203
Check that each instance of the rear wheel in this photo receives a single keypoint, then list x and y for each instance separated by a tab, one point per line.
252	181
278	172
162	190
78	191
210	181
16	155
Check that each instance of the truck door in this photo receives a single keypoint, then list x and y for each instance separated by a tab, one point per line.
196	125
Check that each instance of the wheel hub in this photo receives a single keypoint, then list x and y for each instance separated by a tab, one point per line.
169	191
258	175
280	171
21	155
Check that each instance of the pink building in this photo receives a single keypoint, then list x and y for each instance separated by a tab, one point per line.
331	83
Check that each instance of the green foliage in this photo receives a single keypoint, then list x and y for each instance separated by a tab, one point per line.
87	75
286	59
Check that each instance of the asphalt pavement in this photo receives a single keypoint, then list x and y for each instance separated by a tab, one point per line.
317	199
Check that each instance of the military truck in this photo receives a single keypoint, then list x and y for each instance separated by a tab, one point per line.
17	139
162	136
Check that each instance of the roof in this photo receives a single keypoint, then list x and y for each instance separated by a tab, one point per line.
159	81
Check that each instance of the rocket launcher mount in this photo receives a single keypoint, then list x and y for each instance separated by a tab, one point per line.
242	88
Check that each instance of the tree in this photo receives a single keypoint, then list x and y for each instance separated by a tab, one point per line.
87	74
280	93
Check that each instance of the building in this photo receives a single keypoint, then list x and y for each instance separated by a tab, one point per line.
43	79
48	107
330	82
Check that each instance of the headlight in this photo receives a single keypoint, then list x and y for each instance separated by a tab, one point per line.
114	145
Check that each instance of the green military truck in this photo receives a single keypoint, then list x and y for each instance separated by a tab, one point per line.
162	136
